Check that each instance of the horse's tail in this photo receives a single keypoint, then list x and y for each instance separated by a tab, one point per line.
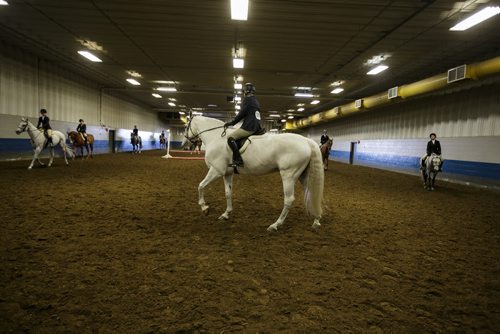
313	181
67	149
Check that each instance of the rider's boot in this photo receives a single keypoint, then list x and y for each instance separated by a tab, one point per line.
237	160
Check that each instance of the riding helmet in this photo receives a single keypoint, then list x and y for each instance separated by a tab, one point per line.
43	111
432	134
81	120
249	88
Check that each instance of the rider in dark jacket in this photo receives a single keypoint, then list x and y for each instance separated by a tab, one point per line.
82	130
44	124
433	146
250	114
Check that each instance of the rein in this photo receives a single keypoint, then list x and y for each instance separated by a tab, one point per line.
193	139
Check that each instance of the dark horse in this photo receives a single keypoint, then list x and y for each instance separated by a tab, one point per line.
136	142
431	170
325	152
77	141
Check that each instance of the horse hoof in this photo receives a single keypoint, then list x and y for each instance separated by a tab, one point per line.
316	225
224	217
205	212
272	228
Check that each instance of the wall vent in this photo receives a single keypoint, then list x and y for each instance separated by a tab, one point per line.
457	73
392	93
358	103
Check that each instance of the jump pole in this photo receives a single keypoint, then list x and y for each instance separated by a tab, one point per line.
167	156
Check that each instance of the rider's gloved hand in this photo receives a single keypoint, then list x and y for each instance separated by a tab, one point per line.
227	124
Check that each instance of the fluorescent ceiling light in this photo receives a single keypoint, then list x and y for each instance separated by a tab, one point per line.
182	105
239	10
89	56
300	109
474	19
238	63
133	82
239	78
166	82
337	90
167	89
197	113
337	83
212	105
315	102
274	115
291	110
300	104
158	96
303	88
377	70
238	86
182	113
171	99
134	74
237	107
303	95
283	120
290	117
171	104
3	3
237	98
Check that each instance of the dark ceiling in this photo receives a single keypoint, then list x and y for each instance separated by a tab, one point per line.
288	43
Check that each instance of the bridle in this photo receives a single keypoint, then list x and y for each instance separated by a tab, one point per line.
195	137
23	128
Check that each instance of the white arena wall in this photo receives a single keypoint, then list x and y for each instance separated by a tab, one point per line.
466	121
29	83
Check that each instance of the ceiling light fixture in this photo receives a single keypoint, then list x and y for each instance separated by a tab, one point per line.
133	82
182	113
239	10
283	120
171	99
476	18
3	3
337	90
303	95
377	70
300	104
238	63
337	83
167	89
237	98
158	96
238	86
89	56
274	115
300	109
237	107
166	82
134	74
171	104
290	117
315	102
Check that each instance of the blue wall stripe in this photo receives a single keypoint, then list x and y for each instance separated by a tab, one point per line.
468	168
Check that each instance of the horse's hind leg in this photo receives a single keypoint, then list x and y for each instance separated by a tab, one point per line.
289	197
228	188
51	155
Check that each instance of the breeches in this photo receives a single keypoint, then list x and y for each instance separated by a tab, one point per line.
240	133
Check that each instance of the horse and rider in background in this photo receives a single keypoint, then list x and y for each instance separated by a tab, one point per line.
78	140
136	142
39	141
431	163
163	141
325	152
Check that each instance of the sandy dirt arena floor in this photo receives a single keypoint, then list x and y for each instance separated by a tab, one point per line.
118	244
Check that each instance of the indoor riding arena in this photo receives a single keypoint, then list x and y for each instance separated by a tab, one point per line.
369	205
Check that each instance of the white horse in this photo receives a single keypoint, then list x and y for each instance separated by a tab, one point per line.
430	171
39	142
136	142
294	156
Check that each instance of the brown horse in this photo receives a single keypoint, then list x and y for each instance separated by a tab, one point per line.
325	152
77	141
197	146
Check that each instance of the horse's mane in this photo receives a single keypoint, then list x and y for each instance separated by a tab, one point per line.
211	121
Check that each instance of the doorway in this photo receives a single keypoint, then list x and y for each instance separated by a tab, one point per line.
354	149
111	141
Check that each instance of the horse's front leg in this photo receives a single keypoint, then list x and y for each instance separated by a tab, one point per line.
228	188
211	175
37	151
